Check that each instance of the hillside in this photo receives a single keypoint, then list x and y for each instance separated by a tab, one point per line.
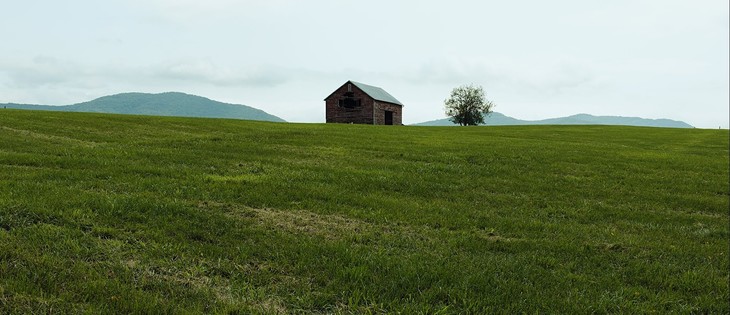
498	119
125	214
162	104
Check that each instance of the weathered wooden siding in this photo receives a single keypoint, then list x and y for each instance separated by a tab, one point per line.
379	114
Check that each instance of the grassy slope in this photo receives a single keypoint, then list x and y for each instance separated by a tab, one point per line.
117	214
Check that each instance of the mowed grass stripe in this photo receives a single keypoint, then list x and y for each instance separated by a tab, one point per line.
175	215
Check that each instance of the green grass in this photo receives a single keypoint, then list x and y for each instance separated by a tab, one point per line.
132	214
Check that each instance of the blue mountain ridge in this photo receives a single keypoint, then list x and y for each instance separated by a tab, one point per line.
499	119
161	104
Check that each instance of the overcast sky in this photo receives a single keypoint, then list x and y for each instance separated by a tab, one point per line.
535	59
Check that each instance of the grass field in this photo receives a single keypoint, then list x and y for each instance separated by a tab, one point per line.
133	214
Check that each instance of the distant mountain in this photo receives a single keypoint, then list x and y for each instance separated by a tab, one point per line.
162	104
498	119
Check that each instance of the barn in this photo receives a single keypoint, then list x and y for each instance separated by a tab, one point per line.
358	103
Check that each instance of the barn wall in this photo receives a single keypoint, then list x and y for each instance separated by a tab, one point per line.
359	115
381	107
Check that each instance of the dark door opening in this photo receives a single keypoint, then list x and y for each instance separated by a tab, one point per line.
388	117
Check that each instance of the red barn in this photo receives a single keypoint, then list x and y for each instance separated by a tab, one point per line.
358	103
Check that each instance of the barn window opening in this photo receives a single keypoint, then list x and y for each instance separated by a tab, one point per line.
349	102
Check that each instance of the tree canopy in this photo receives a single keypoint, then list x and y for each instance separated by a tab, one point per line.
468	105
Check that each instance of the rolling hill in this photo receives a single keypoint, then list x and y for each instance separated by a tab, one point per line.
121	214
162	104
499	119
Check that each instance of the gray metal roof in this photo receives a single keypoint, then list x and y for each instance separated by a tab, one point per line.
377	93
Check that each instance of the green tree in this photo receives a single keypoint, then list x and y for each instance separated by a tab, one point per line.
467	105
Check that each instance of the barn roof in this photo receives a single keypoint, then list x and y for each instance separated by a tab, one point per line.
375	92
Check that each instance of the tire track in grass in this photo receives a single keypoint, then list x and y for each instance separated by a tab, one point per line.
43	136
334	227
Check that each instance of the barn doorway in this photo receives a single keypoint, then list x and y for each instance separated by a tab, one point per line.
388	117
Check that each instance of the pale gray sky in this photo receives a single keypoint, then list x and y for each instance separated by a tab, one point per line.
535	59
